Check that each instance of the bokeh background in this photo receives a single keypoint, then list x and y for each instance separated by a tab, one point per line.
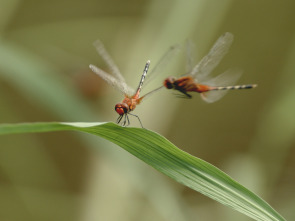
45	50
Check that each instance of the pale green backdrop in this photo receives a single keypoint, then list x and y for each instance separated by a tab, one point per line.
45	50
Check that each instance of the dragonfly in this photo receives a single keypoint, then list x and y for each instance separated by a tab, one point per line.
199	80
132	97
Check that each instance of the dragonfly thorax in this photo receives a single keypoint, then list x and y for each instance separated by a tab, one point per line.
169	82
122	108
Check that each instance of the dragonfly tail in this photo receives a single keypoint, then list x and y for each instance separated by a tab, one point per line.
236	87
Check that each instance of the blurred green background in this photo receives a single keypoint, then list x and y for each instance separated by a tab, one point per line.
45	50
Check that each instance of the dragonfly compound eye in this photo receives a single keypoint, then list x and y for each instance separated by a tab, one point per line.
121	108
169	82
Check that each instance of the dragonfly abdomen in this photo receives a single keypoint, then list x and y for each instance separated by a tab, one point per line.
236	87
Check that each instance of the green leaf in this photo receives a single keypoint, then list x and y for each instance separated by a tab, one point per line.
161	154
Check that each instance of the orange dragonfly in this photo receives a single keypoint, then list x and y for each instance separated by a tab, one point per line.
132	97
199	79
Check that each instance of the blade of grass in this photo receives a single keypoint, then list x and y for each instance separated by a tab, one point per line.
161	154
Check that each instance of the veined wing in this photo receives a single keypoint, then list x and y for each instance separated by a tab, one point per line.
162	63
159	67
213	58
116	83
108	60
190	48
228	78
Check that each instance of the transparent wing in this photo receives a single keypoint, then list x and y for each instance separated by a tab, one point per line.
117	80
213	58
189	56
120	85
163	62
159	68
108	60
228	78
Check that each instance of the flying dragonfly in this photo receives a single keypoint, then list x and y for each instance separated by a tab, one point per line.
116	79
199	79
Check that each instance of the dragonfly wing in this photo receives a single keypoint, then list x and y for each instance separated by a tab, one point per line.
228	78
212	96
108	59
189	56
163	62
120	85
213	58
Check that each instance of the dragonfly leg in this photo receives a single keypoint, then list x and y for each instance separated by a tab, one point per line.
138	119
119	119
183	95
124	122
186	94
126	117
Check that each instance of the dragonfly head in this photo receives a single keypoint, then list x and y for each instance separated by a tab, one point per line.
169	82
121	108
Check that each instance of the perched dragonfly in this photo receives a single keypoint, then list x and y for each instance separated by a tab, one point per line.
132	97
199	79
